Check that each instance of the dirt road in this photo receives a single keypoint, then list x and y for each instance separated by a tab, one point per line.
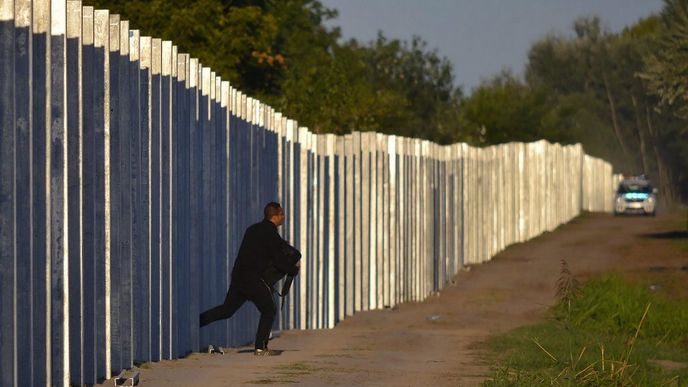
436	342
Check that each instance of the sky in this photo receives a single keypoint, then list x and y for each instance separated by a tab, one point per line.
480	37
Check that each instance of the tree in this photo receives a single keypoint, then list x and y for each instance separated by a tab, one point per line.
504	109
665	72
237	42
586	89
666	69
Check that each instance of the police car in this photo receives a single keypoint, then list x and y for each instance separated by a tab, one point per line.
635	195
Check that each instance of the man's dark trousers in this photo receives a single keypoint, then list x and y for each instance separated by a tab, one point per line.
254	290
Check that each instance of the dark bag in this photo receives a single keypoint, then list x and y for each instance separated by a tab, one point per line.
271	275
291	256
284	264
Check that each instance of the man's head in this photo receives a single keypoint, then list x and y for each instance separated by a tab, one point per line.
274	213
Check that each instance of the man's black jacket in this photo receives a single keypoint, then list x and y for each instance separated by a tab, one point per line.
260	253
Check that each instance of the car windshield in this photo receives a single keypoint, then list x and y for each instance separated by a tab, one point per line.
634	187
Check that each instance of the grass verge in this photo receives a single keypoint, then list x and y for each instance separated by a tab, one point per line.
610	332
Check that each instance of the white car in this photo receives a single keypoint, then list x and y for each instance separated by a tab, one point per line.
635	195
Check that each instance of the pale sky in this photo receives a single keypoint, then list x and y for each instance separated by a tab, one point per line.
480	37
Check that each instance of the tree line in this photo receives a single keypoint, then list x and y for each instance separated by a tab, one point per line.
624	95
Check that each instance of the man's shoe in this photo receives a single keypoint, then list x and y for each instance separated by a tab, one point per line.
267	352
219	350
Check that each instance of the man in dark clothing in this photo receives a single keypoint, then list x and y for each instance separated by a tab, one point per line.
260	263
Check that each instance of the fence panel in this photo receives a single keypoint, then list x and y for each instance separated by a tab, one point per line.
129	172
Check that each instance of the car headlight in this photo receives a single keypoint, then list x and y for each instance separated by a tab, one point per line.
650	199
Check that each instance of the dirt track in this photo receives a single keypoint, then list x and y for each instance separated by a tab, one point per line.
405	347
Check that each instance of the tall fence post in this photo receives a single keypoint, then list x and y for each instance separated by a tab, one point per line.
23	222
8	351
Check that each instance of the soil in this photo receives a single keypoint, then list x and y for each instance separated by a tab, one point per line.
441	341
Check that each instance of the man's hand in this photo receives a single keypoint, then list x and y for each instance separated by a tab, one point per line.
298	264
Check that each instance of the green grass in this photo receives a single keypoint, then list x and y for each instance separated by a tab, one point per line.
610	305
684	245
611	333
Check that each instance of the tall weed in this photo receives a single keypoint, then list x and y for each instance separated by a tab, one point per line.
568	287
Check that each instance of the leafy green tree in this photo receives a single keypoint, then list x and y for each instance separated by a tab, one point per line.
423	83
586	89
666	69
237	42
585	66
505	109
666	74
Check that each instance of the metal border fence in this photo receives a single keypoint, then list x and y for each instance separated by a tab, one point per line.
129	171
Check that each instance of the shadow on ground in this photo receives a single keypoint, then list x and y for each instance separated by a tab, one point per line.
666	235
